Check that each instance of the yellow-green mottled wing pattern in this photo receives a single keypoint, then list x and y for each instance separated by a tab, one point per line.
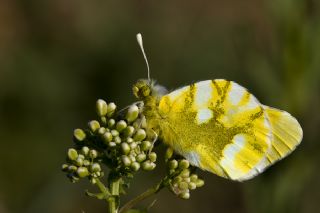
220	127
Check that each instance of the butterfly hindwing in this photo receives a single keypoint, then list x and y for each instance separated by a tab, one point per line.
220	127
287	133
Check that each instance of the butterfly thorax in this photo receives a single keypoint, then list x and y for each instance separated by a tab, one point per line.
150	94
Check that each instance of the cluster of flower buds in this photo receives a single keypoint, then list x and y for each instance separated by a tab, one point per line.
82	163
120	138
126	138
182	180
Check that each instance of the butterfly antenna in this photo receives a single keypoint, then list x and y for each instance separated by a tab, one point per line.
140	42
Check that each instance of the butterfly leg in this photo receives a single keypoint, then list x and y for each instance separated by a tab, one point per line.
139	103
154	139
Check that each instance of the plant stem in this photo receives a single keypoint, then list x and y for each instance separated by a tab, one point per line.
103	189
113	200
142	197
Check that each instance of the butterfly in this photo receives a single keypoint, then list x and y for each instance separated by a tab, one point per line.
219	126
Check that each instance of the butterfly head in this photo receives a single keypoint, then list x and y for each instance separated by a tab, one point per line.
144	88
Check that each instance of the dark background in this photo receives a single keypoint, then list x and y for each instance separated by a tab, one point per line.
58	57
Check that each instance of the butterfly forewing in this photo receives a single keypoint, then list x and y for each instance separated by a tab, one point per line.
220	127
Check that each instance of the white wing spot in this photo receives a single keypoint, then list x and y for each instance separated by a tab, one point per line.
204	115
203	94
236	93
229	153
252	103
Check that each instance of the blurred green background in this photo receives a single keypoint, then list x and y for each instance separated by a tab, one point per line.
58	57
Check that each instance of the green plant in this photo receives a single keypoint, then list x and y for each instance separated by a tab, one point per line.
118	145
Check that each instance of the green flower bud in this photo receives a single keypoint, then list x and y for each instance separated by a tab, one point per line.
114	133
184	195
193	178
85	150
128	131
82	172
168	154
125	148
135	166
103	120
112	144
174	187
199	183
94	125
153	157
184	164
187	179
72	168
140	135
173	164
137	124
121	125
86	163
79	134
93	154
72	154
185	173
111	123
183	185
107	137
132	158
101	130
79	161
111	108
101	107
64	167
95	167
125	160
133	145
148	166
145	145
117	140
81	156
177	179
132	113
141	157
192	186
129	140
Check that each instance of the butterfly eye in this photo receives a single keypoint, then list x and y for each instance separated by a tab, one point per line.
146	91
